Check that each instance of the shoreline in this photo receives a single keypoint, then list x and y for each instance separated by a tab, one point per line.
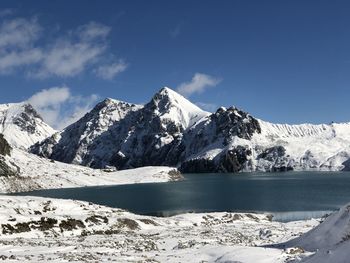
37	173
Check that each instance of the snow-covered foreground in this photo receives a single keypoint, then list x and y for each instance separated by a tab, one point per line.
36	173
41	229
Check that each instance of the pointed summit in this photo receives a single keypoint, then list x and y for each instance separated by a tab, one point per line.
173	96
171	105
21	125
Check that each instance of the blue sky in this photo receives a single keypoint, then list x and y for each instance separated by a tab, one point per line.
282	61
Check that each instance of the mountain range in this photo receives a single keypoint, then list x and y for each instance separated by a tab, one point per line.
169	130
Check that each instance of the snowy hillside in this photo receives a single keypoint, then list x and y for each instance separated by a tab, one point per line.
171	131
22	126
330	240
31	172
306	146
40	229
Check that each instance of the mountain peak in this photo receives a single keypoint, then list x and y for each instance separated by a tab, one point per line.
172	98
22	125
168	91
169	104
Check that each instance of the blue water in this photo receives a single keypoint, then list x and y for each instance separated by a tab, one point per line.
289	196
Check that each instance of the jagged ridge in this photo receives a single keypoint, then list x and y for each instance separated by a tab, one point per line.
170	130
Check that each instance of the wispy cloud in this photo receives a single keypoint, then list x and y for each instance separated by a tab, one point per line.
93	30
199	83
6	12
110	71
18	33
175	32
207	106
59	107
24	48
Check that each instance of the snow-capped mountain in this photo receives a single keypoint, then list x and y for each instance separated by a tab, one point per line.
125	135
92	135
170	130
21	125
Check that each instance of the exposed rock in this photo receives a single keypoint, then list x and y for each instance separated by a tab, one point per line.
21	125
127	223
5	169
234	160
5	148
27	120
96	219
71	224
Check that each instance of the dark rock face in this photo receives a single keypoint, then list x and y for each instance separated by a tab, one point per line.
230	161
27	119
5	148
220	127
276	155
6	170
219	130
273	153
234	122
346	165
199	165
234	160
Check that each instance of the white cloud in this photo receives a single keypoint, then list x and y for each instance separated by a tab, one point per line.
67	59
207	106
59	108
14	59
50	97
23	48
93	30
81	106
19	32
198	84
112	70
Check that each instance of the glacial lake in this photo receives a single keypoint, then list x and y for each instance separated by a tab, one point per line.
288	196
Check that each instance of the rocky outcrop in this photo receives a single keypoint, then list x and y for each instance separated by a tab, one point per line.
275	159
22	126
5	169
5	148
27	119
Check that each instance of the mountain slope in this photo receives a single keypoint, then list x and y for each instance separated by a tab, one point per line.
21	125
170	130
21	171
73	144
330	240
138	136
